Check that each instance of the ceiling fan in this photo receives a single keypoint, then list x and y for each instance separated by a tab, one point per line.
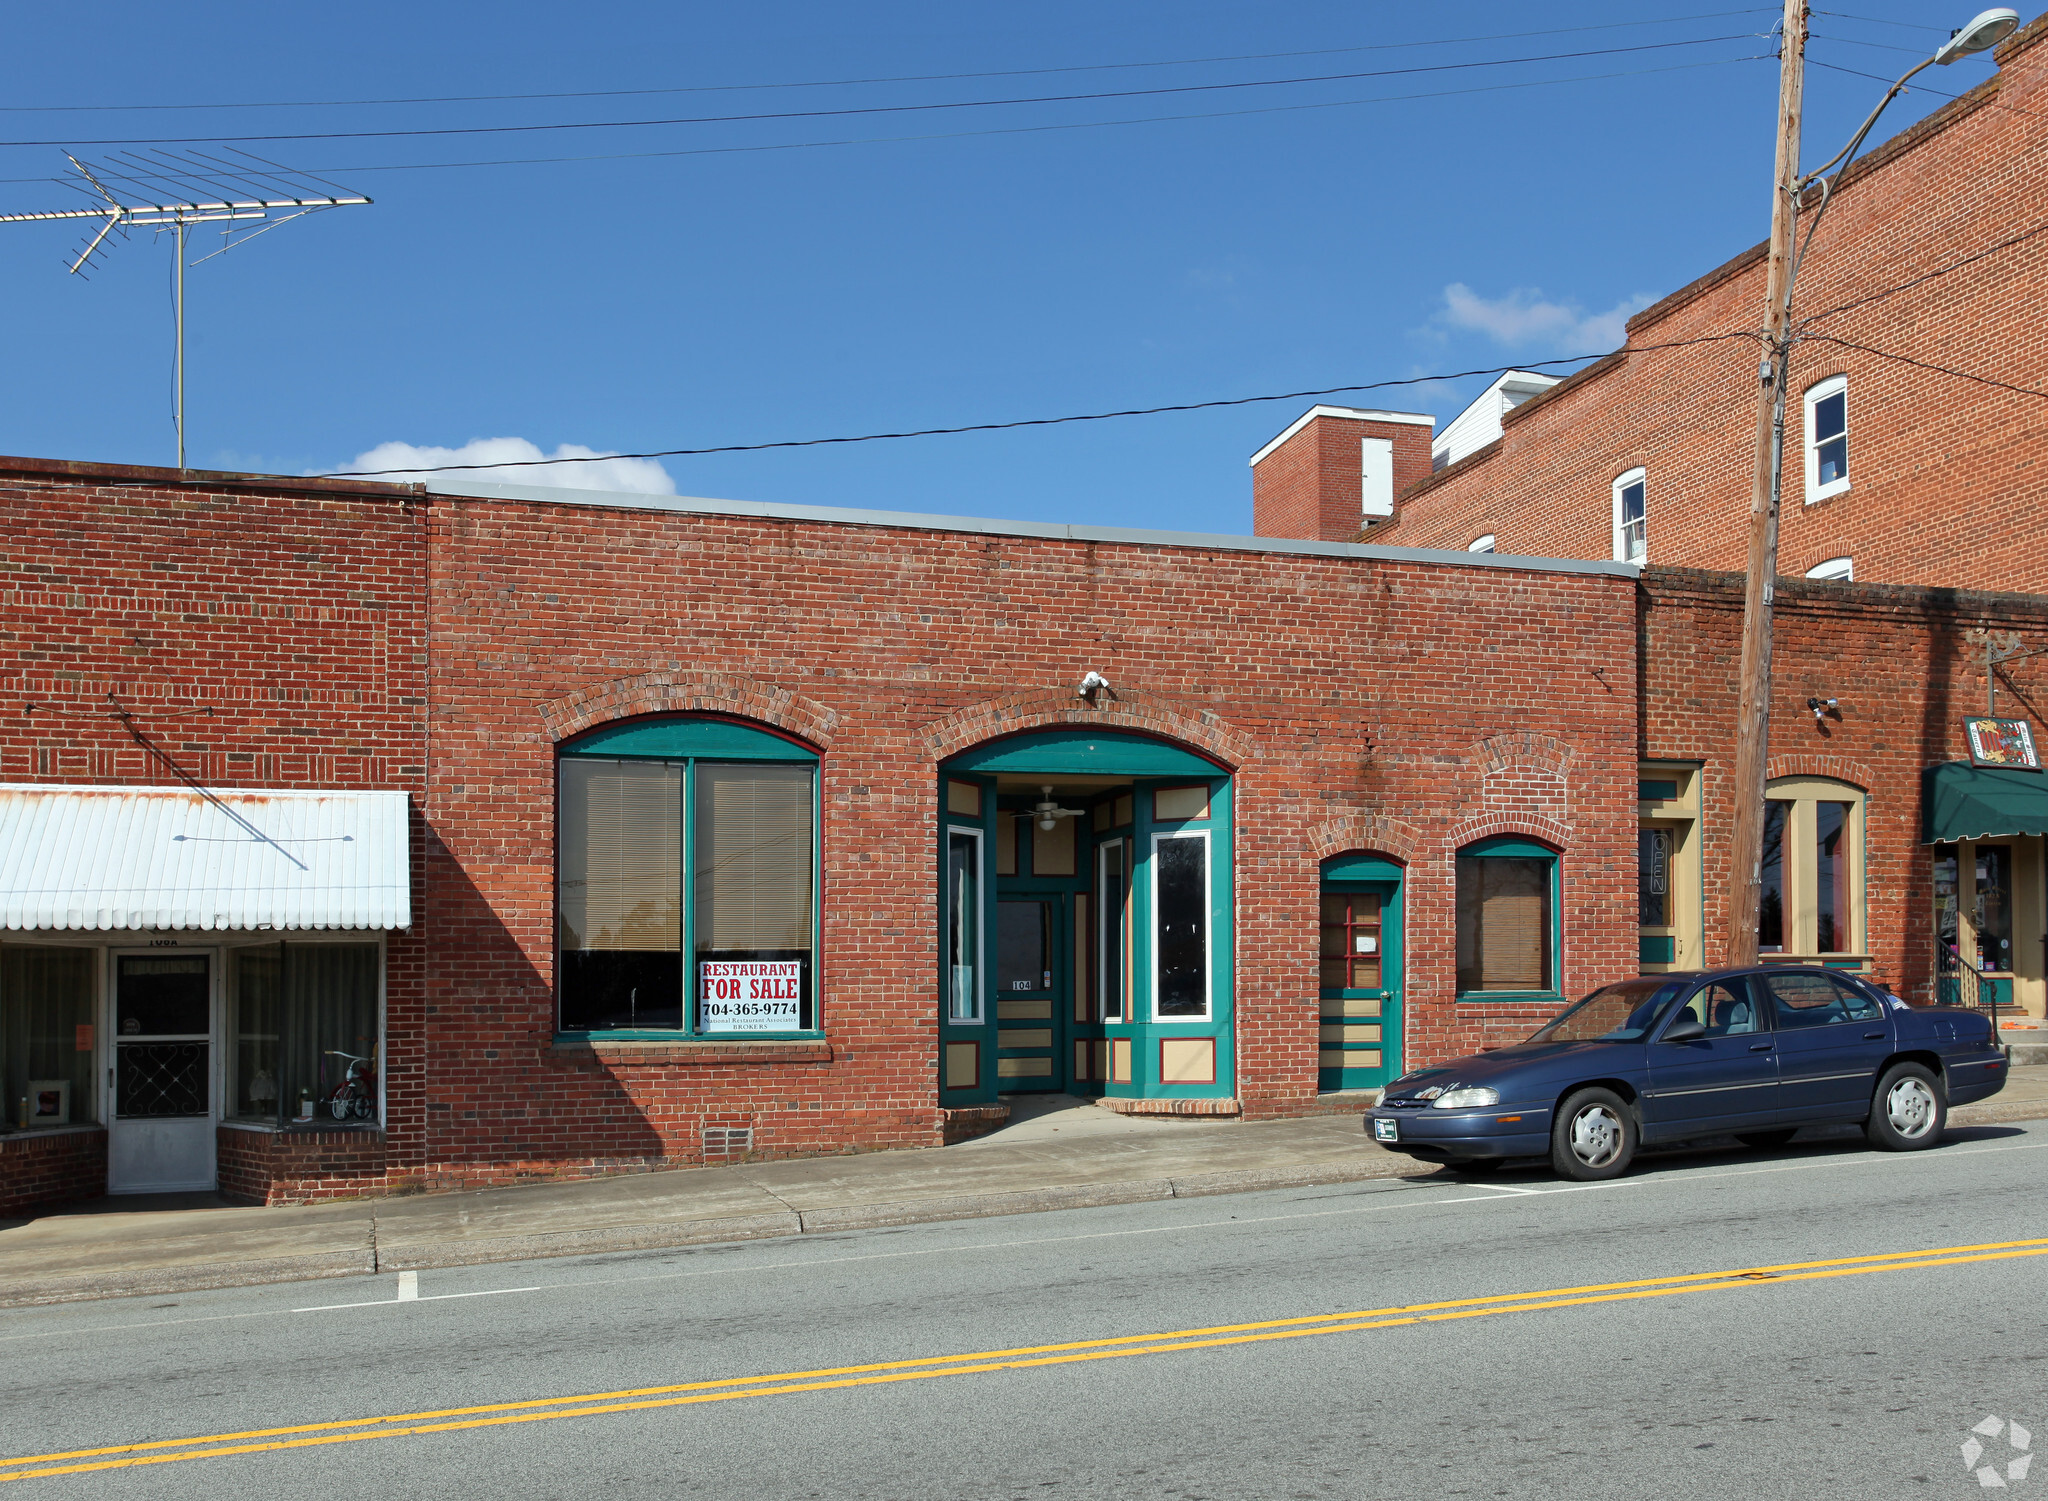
1048	812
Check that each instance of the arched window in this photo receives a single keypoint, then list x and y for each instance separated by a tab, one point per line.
1827	438
1841	569
1631	521
1812	897
1480	544
1507	919
686	879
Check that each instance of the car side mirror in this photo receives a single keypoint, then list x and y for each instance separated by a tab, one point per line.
1685	1029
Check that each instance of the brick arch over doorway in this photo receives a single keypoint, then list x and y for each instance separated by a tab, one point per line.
1133	713
688	692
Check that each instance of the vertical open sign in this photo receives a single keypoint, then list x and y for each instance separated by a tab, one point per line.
749	995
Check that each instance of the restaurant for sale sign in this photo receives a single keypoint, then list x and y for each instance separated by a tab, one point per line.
749	995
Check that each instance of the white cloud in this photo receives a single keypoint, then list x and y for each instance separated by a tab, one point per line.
1525	318
590	470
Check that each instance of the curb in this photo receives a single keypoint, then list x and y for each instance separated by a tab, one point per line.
149	1281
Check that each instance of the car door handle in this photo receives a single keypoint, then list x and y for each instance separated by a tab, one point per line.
1759	1047
1873	1037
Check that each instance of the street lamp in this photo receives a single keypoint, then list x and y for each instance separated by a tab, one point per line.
1753	714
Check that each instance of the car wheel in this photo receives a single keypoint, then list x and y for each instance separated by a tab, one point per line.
1594	1136
1765	1141
1909	1109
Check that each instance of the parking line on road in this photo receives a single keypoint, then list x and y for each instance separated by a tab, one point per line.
227	1445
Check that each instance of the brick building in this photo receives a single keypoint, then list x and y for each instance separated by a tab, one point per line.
1935	249
743	829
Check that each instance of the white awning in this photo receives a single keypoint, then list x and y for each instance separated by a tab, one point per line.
121	858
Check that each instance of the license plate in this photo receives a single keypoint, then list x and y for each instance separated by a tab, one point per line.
1386	1130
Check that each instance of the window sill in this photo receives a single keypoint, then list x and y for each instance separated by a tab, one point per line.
1511	997
1826	492
692	1050
304	1128
40	1133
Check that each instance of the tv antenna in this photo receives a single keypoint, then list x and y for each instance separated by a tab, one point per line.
174	191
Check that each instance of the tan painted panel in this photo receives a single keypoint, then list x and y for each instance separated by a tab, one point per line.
1187	1060
1006	845
963	797
1025	1011
1358	1032
1081	1069
1338	1058
1052	850
1023	1068
963	1065
1122	815
1174	804
1025	1037
1100	817
1355	1006
1120	1060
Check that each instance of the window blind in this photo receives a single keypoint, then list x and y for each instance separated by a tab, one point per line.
1503	924
621	855
753	858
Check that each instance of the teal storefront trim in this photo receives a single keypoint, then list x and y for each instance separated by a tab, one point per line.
1359	1032
1077	752
666	739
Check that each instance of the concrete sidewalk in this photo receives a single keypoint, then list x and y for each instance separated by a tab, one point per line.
1056	1153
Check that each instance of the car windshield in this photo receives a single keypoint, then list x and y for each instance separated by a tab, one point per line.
1614	1013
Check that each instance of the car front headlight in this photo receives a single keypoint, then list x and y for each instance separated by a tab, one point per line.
1466	1097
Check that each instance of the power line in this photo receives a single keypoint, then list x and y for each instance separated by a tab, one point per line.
991	427
883	109
1906	359
1921	88
833	83
1880	21
2006	244
961	135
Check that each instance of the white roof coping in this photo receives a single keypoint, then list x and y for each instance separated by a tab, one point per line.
104	859
1356	414
690	505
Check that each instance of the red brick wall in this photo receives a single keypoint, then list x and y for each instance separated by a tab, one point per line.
1365	705
1309	487
299	1167
1947	478
53	1167
1905	674
292	611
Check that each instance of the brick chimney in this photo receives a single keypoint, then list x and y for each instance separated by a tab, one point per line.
1335	471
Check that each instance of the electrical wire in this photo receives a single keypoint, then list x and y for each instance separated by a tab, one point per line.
1921	88
1906	359
1880	21
885	109
962	135
834	83
991	427
1940	271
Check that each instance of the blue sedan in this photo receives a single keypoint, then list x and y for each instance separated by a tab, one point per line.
1753	1053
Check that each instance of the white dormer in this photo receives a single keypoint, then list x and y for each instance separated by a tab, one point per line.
1479	424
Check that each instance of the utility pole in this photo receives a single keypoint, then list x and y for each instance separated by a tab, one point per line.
178	250
1753	719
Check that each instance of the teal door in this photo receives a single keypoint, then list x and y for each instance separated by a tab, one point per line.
1031	992
1358	1038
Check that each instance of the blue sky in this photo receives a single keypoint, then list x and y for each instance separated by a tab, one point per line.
994	269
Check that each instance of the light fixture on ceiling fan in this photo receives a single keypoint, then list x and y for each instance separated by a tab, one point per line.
1048	812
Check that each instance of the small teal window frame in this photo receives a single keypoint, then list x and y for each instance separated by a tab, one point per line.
1520	847
694	739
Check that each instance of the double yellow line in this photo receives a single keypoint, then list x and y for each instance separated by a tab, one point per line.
637	1399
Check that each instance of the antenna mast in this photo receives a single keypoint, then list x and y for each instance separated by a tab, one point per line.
187	190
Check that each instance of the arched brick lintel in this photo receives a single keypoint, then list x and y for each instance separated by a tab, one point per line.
1486	825
1835	768
687	692
1369	833
1015	713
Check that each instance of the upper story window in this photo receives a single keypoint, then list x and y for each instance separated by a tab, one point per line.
1842	570
1827	438
1480	544
1630	503
686	880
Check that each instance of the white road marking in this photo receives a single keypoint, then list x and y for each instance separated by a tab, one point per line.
408	1287
1875	1159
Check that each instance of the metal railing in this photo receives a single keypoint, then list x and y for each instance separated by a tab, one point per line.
1958	982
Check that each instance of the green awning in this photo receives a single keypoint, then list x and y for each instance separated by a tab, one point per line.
1962	801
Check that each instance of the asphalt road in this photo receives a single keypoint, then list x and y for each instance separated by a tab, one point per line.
1426	1337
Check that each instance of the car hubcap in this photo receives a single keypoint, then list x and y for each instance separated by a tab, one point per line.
1910	1107
1596	1136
